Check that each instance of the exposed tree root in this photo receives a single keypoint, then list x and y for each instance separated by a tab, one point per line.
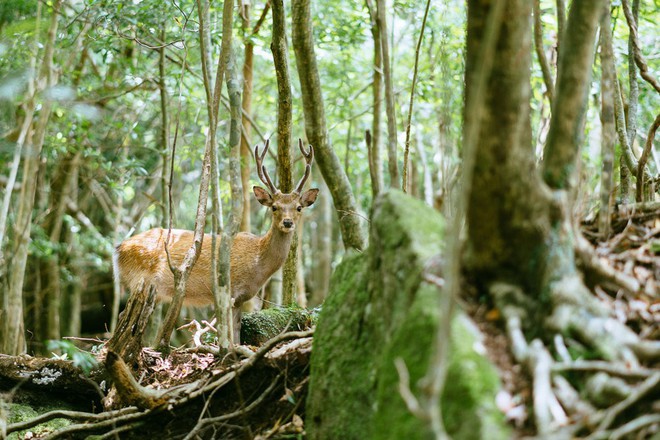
556	404
227	401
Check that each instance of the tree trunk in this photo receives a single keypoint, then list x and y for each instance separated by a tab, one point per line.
497	243
375	161
521	238
284	116
608	132
390	107
322	245
229	328
61	187
14	341
182	272
353	233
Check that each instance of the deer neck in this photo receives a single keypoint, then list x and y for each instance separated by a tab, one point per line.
275	247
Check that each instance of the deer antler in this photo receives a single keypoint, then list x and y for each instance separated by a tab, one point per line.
261	169
309	157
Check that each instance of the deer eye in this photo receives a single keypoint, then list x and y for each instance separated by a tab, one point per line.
299	208
274	208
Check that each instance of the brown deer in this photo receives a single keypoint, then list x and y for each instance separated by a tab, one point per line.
142	260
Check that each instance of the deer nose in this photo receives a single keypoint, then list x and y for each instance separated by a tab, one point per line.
288	223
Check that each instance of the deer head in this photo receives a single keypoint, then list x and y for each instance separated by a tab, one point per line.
286	208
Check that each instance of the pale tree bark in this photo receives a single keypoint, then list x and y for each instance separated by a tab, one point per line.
373	137
280	52
230	327
406	154
61	187
14	339
390	108
74	298
631	119
182	272
322	245
540	52
608	132
353	233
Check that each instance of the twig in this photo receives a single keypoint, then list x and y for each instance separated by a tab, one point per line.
634	425
644	158
104	423
637	52
538	43
645	387
73	415
406	394
616	369
242	411
406	154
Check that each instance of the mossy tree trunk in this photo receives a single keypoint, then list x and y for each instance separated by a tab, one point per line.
520	224
279	48
352	230
502	235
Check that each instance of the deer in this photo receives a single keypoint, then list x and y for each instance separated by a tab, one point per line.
141	260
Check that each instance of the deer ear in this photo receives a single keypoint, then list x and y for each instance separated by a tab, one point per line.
262	196
309	197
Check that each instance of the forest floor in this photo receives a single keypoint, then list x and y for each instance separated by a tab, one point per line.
633	250
194	392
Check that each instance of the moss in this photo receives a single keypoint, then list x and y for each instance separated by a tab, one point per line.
341	339
468	401
19	412
378	310
258	327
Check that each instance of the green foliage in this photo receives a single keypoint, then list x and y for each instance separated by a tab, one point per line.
81	359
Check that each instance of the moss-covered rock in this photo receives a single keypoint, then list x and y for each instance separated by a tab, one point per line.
258	327
379	309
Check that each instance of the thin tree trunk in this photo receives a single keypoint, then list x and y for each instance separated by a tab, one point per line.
563	138
322	239
631	118
353	234
608	134
229	328
540	53
390	111
246	103
14	342
117	238
406	154
280	52
164	126
182	272
61	187
375	161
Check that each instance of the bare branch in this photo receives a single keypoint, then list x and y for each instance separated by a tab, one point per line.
637	51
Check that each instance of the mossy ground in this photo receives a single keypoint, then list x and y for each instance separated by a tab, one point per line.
22	412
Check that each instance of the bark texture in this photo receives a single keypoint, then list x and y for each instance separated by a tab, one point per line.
353	233
284	116
508	209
